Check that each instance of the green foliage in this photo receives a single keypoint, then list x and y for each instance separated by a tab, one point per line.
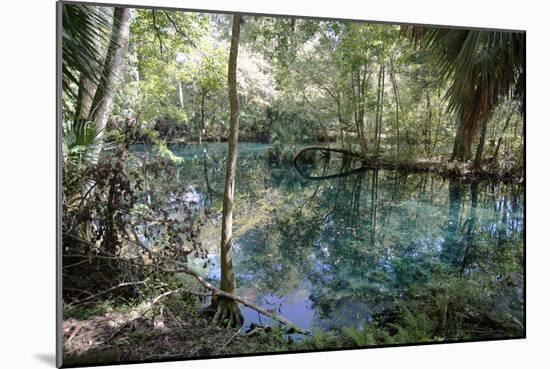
285	139
415	270
321	340
85	34
164	153
159	39
483	67
412	327
81	143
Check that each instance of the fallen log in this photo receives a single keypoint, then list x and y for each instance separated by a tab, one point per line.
326	151
443	168
182	268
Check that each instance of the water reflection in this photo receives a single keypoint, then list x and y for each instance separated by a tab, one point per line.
363	247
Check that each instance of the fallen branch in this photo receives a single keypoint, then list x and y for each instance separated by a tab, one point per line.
217	291
150	305
230	339
75	331
326	150
107	291
445	169
184	269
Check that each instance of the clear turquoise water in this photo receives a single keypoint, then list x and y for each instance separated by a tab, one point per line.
349	250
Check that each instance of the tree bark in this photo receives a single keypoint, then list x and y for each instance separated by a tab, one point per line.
202	128
461	148
380	108
180	91
219	292
377	111
397	104
357	86
227	308
480	146
439	116
103	99
87	87
86	92
428	130
497	148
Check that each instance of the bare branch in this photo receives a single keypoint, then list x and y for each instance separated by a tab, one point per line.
184	269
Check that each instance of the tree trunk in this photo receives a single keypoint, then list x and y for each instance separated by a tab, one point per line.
497	148
396	96
86	92
340	120
377	111
202	127
103	99
226	308
480	146
87	87
180	90
461	149
428	130
362	82
439	116
359	111
380	108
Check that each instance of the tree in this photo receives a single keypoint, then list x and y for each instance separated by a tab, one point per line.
209	78
164	46
227	308
86	30
103	99
483	67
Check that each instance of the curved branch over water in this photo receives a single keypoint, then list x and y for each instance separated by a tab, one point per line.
326	152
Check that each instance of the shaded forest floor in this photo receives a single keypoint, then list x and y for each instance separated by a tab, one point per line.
131	335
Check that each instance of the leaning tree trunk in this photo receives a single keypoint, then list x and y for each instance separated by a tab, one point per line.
461	148
227	310
103	99
86	92
87	86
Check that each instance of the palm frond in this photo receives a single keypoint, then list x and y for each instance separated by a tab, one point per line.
80	141
86	31
483	67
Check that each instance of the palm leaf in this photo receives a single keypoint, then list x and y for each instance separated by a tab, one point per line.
483	67
80	142
86	31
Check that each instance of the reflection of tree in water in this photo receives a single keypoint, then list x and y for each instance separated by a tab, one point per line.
363	253
375	245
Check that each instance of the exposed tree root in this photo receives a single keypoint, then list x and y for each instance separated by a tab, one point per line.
225	313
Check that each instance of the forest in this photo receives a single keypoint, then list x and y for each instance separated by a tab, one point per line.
240	184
